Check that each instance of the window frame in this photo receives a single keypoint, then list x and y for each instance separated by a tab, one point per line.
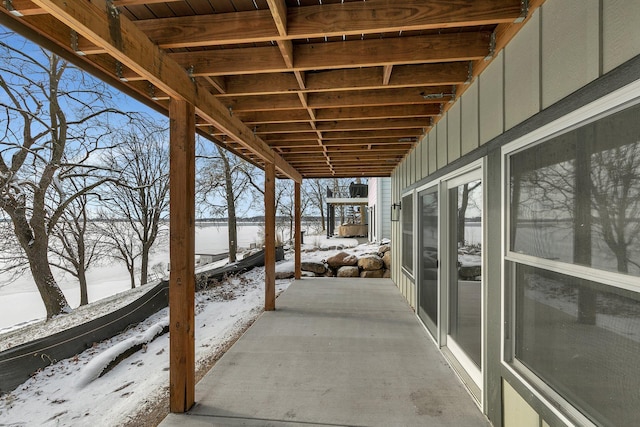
609	104
409	271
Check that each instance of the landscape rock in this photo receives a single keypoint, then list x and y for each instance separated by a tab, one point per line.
372	274
386	259
315	267
348	271
329	273
384	249
341	259
284	275
370	262
387	274
470	272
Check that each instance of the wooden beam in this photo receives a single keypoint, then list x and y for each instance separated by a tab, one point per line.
270	237
182	255
373	124
373	112
240	104
363	135
28	8
263	117
357	18
210	30
359	98
278	10
105	27
386	74
377	16
298	235
347	54
352	78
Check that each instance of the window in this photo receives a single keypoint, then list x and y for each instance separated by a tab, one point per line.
407	233
573	262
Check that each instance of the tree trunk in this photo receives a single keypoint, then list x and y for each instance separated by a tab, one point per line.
231	208
132	276
53	298
84	296
144	267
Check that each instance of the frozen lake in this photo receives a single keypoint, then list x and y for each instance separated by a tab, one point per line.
20	301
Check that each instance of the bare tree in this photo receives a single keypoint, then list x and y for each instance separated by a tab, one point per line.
615	190
52	120
123	242
224	181
315	191
139	194
77	244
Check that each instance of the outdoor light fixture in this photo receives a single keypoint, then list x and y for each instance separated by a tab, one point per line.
395	211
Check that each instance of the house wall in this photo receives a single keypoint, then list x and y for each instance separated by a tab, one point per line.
380	203
569	53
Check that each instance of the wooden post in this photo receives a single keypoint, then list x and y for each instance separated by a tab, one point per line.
298	236
270	237
182	255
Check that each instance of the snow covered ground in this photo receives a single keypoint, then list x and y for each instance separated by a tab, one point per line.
72	392
20	302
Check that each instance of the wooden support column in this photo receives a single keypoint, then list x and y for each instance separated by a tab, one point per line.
270	237
182	255
298	229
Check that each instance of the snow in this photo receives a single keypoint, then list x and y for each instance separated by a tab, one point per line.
99	364
72	392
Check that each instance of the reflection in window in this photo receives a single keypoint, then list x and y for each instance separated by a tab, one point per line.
594	366
576	198
428	293
465	287
407	233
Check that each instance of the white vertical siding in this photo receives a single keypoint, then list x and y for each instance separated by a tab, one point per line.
442	142
522	74
432	157
570	47
453	132
620	32
469	119
491	84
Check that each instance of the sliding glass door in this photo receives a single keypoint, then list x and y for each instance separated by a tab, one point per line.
428	295
464	219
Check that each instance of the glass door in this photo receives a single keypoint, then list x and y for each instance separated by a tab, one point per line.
428	296
464	328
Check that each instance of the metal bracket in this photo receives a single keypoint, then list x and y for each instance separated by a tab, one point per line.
74	43
441	110
453	94
112	9
8	4
492	47
433	96
190	70
152	92
469	73
119	72
524	11
231	111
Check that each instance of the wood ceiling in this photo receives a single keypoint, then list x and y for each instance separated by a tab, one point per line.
322	88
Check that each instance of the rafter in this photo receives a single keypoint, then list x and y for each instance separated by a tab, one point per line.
347	54
371	17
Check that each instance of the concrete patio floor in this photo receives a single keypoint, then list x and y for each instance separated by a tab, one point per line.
337	352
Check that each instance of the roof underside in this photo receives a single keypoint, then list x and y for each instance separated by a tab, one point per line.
323	88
